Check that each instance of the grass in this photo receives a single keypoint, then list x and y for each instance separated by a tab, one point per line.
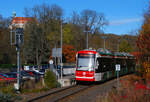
8	94
132	89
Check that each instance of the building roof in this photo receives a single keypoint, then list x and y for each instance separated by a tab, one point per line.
22	20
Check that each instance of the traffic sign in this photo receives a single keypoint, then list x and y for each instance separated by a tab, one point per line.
117	67
51	62
56	52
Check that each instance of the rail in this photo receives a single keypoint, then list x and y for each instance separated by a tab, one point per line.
57	95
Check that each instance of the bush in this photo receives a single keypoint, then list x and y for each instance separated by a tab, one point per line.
50	79
9	89
5	97
7	94
7	66
9	97
132	89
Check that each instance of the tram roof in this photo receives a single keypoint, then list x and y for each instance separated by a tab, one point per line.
103	51
106	52
88	51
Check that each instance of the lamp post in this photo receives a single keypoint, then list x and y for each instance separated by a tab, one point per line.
19	39
118	44
87	31
104	37
61	43
119	41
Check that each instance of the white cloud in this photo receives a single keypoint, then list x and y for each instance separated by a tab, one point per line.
124	21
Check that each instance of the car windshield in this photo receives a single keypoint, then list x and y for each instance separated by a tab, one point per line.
85	62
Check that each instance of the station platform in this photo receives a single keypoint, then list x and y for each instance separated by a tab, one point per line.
67	80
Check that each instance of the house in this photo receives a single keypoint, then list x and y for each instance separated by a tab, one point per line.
19	22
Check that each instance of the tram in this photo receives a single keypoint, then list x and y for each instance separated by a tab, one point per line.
98	65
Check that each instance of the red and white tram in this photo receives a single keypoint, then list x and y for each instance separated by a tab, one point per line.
97	65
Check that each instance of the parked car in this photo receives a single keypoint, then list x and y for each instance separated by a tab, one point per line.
41	72
34	73
26	75
12	74
4	77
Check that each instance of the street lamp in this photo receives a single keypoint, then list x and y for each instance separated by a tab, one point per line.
118	44
119	41
19	39
61	43
87	31
104	37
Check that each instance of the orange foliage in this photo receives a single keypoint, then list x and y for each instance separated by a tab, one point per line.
146	66
69	53
143	41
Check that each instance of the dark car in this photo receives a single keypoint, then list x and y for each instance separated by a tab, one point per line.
34	73
12	74
4	77
25	75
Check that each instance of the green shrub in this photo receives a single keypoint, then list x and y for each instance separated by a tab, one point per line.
50	79
7	94
7	65
5	97
9	97
9	89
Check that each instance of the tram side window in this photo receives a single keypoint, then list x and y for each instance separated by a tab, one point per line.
105	64
130	63
122	62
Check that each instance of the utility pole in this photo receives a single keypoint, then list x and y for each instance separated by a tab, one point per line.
104	37
87	31
61	35
119	41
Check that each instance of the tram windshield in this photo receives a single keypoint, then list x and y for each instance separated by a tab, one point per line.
85	62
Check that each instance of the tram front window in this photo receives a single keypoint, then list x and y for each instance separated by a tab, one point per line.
85	62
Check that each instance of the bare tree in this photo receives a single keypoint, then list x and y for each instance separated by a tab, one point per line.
89	20
44	31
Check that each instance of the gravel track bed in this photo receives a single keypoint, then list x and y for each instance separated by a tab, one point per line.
61	94
92	94
29	96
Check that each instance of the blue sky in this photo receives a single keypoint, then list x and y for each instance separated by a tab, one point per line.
124	16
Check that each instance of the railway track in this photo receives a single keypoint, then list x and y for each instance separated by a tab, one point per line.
60	94
77	91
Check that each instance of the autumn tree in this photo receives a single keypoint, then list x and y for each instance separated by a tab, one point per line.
44	33
35	44
87	20
143	43
125	47
69	53
67	34
6	53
